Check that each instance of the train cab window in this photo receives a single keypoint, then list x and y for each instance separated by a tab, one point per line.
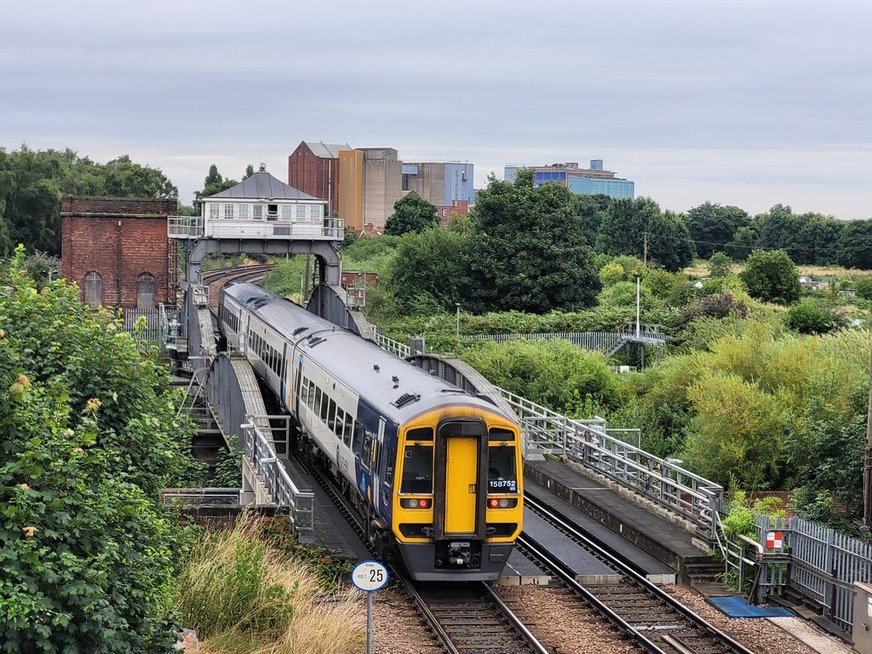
420	434
500	434
417	469
502	477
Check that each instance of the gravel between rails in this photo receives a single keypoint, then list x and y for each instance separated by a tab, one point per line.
563	624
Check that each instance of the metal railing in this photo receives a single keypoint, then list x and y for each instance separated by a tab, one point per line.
594	341
261	451
590	442
184	226
193	227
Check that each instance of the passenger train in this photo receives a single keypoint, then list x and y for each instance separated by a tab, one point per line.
435	471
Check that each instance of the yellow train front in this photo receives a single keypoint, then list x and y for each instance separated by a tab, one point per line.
457	495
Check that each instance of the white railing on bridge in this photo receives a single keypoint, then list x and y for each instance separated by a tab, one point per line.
184	226
590	442
262	452
194	227
607	451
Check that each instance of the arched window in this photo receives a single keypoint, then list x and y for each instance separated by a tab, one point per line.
93	289
145	291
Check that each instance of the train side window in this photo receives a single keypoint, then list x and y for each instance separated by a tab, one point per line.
304	390
311	399
326	405
417	469
318	397
368	449
390	462
348	429
420	434
357	446
339	422
501	476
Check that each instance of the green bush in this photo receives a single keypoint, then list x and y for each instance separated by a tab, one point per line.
807	317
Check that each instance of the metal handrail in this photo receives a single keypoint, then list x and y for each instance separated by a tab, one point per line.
263	457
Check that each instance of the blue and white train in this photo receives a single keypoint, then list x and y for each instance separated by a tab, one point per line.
435	471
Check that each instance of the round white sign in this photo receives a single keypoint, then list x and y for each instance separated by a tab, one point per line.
369	576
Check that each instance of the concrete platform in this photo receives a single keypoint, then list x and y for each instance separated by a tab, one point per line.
587	568
660	538
520	571
654	570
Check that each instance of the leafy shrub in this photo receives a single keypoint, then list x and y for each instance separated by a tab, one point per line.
242	594
611	273
771	276
555	374
720	265
807	317
863	287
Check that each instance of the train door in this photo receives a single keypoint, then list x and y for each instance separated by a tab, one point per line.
298	378
461	458
387	464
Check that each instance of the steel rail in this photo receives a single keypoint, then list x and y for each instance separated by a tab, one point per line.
630	571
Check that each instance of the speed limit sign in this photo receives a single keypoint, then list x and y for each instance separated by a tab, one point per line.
369	576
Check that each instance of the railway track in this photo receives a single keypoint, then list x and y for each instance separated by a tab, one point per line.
638	608
215	279
466	618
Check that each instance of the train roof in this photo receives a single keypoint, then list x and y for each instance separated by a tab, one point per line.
394	386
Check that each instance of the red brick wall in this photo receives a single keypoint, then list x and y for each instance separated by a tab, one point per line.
317	176
119	238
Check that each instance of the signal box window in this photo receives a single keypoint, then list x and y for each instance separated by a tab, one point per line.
272	212
417	469
501	476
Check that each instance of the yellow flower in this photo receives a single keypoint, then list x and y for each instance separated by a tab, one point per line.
29	531
23	380
93	405
23	487
77	450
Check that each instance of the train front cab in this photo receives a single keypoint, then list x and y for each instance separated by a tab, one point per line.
458	504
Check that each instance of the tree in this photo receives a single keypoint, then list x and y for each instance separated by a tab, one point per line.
591	209
411	214
528	249
249	171
429	269
214	183
629	224
89	436
771	276
720	265
854	246
742	243
737	433
33	181
669	242
807	238
712	226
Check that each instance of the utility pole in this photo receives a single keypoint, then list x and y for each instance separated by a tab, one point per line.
867	467
645	249
457	330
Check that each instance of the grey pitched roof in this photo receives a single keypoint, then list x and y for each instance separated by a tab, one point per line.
263	186
326	150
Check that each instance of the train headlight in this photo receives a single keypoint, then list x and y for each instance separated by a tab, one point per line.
502	503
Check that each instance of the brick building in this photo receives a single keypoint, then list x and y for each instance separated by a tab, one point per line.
117	250
313	168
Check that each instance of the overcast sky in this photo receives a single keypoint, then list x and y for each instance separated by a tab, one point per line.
745	102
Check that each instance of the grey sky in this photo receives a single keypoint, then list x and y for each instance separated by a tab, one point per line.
745	102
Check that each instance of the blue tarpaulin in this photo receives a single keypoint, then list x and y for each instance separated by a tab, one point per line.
738	607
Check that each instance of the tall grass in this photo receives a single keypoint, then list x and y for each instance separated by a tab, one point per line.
243	595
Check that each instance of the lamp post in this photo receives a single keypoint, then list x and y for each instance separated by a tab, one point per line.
457	330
